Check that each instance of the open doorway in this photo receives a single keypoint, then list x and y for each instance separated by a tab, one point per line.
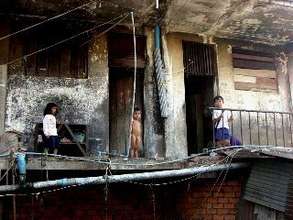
121	63
121	94
199	70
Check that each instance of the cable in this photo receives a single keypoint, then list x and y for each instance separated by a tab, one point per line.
45	21
134	86
70	38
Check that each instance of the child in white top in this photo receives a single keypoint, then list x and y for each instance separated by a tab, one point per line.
221	120
50	128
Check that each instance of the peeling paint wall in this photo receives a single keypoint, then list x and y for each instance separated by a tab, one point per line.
82	101
4	50
175	124
266	101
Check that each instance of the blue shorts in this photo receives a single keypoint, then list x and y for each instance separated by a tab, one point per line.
52	142
222	134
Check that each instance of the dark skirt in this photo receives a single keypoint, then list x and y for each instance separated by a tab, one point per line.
52	142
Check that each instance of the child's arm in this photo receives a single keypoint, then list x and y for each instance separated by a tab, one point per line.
231	117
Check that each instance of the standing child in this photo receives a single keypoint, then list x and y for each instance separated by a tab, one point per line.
136	133
50	128
221	120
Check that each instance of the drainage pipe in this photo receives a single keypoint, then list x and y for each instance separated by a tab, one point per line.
126	177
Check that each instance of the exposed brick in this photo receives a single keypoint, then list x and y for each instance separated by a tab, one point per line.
211	211
229	205
223	200
223	211
218	205
89	204
229	217
218	217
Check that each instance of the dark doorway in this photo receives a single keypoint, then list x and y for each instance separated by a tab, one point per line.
121	63
121	94
199	71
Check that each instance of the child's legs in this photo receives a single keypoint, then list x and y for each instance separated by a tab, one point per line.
132	147
137	145
52	144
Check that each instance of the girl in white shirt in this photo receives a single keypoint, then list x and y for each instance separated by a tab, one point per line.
50	128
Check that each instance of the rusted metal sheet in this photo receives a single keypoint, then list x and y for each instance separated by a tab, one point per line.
268	184
199	59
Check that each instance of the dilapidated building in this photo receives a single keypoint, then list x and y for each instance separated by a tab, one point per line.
99	59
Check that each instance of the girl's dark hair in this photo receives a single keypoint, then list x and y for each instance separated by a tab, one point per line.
136	109
48	109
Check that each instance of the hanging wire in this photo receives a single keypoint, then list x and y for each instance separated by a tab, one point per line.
58	16
182	180
47	20
144	164
121	17
134	83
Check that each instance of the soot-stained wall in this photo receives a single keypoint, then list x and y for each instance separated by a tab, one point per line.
82	101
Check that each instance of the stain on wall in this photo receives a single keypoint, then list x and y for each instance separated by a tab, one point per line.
82	101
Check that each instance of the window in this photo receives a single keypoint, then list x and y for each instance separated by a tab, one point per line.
68	59
254	71
199	59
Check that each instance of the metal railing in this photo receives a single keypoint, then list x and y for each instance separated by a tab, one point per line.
253	127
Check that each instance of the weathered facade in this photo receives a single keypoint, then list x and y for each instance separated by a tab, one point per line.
82	56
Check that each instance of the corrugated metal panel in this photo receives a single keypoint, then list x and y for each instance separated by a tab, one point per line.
289	208
268	183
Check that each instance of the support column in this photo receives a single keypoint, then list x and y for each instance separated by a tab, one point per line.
4	52
290	77
99	80
175	124
153	124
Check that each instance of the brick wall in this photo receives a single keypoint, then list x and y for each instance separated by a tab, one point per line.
132	202
204	203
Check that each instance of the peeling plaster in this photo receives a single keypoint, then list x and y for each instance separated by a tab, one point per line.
79	101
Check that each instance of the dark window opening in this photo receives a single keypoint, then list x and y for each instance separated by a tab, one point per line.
248	59
67	59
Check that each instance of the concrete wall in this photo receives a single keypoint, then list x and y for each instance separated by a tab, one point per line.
264	131
4	51
153	125
279	100
175	124
82	101
265	101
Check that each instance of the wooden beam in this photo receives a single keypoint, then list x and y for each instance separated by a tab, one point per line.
252	64
251	57
256	73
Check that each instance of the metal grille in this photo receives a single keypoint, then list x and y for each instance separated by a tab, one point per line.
199	59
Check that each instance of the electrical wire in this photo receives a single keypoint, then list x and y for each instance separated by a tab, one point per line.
191	178
122	17
45	21
134	85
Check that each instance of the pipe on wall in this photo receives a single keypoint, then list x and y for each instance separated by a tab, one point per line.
124	178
